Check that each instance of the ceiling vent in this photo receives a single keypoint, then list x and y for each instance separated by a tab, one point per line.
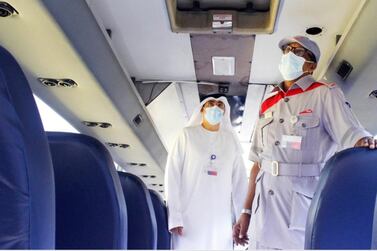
52	82
97	124
7	10
223	16
117	145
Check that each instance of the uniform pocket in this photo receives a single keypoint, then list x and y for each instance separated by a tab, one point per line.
263	126
308	128
299	211
302	193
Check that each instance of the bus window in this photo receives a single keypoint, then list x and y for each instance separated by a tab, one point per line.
51	120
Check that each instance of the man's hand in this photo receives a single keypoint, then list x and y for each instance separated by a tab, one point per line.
177	231
240	230
367	142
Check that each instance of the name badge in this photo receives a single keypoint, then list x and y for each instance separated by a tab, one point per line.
211	172
291	142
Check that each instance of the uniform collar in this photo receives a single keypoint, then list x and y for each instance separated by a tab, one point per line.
303	83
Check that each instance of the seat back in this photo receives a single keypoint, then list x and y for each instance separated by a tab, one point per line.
374	236
142	224
160	210
27	195
342	211
90	207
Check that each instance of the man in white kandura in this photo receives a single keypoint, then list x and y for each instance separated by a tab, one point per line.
205	180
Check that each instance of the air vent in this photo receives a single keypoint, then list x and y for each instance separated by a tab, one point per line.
97	124
51	82
67	83
148	176
136	164
154	185
7	10
117	145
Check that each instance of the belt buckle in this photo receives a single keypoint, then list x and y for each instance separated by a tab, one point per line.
275	168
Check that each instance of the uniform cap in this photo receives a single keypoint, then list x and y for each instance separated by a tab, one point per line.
304	42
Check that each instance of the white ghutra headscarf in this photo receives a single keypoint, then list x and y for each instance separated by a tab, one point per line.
225	124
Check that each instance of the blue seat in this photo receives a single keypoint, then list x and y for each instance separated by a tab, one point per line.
90	207
27	194
374	237
342	211
160	210
142	224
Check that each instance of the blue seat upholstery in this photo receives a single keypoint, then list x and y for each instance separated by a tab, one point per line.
160	210
27	195
374	236
142	224
90	207
342	211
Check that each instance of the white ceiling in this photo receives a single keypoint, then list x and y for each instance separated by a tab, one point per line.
143	39
295	16
149	50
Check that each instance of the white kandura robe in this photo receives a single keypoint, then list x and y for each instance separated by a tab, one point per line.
204	204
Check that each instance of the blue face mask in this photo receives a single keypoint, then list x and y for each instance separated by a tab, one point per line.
291	66
213	115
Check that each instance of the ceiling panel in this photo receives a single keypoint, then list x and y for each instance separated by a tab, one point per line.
142	38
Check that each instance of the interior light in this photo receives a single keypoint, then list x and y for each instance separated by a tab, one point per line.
223	66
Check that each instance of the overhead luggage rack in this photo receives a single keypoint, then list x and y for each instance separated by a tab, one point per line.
232	17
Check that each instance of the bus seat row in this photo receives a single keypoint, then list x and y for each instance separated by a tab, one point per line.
61	191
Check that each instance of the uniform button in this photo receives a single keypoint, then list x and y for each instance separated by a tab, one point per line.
281	120
277	143
303	125
286	99
270	192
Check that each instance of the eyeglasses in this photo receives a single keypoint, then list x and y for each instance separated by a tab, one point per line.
213	102
299	51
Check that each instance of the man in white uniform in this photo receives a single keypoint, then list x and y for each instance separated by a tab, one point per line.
205	180
301	125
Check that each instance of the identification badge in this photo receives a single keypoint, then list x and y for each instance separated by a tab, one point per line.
291	142
211	172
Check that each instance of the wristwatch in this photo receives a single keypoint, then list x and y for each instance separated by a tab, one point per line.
246	211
